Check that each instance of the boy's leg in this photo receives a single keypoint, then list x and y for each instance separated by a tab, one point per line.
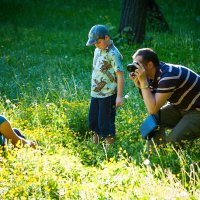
93	115
112	115
93	119
107	117
110	139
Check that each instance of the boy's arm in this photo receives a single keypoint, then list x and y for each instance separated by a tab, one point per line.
120	88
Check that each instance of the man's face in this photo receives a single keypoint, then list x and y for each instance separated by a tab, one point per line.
102	43
139	60
149	67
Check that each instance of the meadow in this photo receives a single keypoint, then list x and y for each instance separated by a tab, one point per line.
45	72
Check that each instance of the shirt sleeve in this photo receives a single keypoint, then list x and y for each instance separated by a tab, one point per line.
116	61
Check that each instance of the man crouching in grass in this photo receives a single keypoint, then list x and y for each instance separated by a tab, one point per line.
171	93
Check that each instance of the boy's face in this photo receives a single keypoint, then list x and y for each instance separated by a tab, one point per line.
103	43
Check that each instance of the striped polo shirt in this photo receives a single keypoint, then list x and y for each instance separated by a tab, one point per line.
183	82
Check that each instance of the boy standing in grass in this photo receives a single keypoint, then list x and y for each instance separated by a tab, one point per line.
106	85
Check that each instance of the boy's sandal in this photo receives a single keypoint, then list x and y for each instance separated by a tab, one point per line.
95	138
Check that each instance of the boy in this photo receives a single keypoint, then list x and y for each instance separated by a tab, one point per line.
106	85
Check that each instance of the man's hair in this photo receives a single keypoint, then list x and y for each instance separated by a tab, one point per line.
148	55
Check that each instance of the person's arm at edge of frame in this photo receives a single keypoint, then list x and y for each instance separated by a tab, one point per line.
120	88
9	134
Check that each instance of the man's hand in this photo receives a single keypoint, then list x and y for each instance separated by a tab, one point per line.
139	76
134	79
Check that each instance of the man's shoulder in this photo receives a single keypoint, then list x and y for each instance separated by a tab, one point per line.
169	68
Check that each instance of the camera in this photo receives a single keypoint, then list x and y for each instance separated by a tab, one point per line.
132	67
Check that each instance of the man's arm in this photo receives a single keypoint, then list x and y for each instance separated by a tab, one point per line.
120	88
152	101
155	101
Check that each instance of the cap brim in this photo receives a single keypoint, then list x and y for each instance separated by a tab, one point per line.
90	42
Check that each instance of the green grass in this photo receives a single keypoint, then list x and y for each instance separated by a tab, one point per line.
45	72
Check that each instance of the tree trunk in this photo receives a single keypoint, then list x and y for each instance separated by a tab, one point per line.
133	19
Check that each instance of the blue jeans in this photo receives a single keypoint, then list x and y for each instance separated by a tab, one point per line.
102	116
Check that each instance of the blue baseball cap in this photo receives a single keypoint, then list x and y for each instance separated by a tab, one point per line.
96	32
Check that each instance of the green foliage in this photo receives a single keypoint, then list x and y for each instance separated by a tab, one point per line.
45	89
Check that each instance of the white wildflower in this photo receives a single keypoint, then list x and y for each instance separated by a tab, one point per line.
8	101
147	162
62	192
126	96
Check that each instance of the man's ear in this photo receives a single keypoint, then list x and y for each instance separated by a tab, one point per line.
150	65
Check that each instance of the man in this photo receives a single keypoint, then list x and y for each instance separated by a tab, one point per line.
172	93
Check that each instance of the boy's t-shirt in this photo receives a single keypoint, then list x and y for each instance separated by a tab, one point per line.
105	65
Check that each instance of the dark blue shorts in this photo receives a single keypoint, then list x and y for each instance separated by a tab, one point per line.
102	115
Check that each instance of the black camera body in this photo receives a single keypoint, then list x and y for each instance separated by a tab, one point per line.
132	67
